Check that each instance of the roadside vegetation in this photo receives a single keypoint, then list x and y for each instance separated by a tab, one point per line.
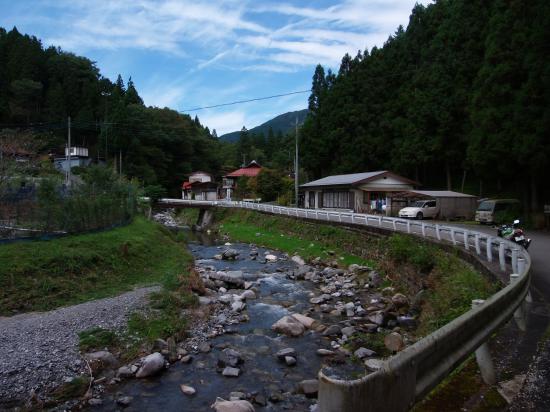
43	275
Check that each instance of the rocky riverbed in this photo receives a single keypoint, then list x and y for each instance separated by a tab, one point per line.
265	327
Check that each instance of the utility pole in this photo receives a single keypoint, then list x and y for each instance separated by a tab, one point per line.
296	165
69	152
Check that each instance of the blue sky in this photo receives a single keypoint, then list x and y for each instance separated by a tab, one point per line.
186	54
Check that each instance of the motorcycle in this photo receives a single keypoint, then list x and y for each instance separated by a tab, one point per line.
514	233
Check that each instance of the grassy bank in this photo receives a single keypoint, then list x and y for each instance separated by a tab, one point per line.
44	275
294	237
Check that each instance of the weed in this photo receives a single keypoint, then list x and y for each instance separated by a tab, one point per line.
96	338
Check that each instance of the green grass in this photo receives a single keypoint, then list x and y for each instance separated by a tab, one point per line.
44	275
293	236
96	338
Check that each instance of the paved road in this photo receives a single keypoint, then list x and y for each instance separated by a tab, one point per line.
523	353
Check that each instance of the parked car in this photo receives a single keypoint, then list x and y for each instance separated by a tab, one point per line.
490	210
420	209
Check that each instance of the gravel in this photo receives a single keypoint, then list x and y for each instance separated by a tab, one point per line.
38	351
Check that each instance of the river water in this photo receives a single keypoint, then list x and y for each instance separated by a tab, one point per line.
262	373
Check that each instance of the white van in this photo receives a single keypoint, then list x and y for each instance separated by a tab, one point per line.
487	209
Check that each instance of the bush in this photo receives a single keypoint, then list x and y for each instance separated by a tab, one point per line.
404	249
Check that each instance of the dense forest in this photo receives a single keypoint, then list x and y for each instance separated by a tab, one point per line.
41	87
460	99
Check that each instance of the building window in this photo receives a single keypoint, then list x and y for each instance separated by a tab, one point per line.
336	200
376	201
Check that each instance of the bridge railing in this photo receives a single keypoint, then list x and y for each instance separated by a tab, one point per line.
408	376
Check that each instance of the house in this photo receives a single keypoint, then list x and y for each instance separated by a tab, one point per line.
199	187
79	157
230	180
369	192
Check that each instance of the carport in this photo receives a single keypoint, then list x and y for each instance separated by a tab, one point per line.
452	205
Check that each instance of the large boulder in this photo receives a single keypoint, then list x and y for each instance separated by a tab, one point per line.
234	277
232	406
229	254
399	300
150	365
304	320
394	342
289	326
101	360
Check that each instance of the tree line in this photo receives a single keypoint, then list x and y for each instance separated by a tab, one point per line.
460	99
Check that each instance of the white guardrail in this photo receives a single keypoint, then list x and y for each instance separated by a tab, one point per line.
408	376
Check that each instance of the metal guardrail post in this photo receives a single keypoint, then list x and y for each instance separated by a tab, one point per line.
437	232
466	244
519	314
483	356
521	269
478	246
394	225
515	253
502	256
408	226
453	237
489	249
423	229
380	221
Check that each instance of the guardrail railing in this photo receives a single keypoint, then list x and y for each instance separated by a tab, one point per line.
408	376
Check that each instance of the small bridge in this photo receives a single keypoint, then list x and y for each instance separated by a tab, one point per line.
410	375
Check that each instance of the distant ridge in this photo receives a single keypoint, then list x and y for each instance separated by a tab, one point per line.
284	123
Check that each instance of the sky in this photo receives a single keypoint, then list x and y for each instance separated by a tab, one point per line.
186	54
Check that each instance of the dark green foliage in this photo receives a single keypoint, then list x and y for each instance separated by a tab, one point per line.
157	146
460	99
405	249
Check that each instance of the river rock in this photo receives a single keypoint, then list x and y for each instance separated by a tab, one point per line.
150	365
186	359
289	326
406	322
238	306
234	277
348	331
324	352
204	347
231	372
188	390
283	353
364	353
125	372
304	320
203	300
298	260
248	294
290	360
124	400
374	364
332	330
101	360
232	406
229	254
309	387
394	342
378	318
271	258
230	357
399	300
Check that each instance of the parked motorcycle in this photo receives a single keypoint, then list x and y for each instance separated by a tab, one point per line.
514	233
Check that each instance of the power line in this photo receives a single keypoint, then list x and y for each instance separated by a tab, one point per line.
244	101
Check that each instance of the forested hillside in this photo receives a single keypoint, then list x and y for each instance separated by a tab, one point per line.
40	87
283	123
459	98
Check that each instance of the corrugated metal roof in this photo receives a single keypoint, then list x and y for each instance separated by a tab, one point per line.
343	179
439	193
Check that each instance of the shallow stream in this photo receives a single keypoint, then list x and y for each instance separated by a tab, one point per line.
262	373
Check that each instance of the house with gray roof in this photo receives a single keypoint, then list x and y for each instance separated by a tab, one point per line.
369	192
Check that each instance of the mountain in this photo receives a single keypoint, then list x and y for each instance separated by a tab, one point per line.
283	123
